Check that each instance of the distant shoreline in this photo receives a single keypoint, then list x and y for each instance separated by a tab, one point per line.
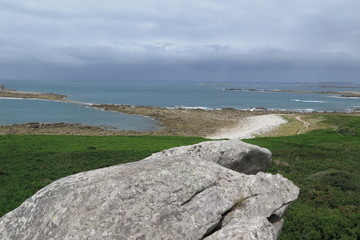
346	94
330	86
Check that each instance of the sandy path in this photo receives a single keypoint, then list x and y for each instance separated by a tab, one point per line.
306	125
250	126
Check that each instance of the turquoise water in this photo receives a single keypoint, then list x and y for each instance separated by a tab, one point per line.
163	94
25	111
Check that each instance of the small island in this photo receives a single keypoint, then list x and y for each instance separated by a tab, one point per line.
10	93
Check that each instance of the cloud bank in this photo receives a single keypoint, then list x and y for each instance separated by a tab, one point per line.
208	40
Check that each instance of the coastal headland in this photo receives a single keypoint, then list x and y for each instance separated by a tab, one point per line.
10	93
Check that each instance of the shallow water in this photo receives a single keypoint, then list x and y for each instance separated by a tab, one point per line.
25	111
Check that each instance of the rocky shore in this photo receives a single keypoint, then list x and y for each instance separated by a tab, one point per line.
189	122
175	122
63	129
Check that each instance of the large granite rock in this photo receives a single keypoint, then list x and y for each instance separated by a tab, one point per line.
233	154
168	197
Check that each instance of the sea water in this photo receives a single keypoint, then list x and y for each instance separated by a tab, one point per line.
170	94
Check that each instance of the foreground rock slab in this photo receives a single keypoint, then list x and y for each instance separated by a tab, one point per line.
167	197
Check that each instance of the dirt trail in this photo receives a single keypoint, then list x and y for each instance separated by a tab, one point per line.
306	125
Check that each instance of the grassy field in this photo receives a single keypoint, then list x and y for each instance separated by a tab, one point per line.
30	162
324	163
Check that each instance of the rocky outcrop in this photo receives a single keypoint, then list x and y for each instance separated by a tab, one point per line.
161	197
233	154
2	87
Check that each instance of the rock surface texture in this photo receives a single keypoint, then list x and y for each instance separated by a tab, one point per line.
165	196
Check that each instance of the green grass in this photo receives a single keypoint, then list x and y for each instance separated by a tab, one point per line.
325	164
30	162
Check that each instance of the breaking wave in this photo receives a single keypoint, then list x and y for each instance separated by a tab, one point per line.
198	107
306	101
344	97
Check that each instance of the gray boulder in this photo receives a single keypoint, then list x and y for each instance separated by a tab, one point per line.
177	197
233	154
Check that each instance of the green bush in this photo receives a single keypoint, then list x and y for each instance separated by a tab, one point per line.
336	178
345	130
325	164
304	222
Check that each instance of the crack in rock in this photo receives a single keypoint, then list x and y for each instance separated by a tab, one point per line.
197	193
219	224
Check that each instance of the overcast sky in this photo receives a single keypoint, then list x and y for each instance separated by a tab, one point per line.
207	40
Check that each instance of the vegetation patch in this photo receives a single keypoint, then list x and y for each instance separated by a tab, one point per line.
238	203
336	178
30	162
325	164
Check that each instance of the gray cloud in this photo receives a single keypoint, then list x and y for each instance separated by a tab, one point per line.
225	38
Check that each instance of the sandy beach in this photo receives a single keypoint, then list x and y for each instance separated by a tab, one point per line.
249	127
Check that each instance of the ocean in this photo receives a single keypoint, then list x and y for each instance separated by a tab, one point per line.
170	94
